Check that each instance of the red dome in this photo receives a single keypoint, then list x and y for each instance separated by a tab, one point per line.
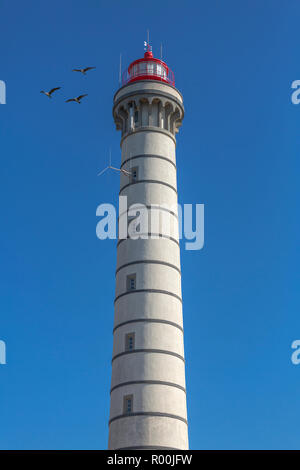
148	68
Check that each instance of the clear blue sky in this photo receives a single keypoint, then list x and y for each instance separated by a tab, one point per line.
238	153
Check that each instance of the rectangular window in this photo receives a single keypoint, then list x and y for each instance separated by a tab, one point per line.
134	174
131	282
131	116
128	404
136	117
129	341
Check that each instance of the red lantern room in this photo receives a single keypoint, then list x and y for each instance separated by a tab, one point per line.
148	68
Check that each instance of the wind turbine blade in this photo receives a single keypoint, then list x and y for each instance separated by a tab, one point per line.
127	173
101	172
114	168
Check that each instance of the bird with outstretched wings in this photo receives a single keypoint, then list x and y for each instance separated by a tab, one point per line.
84	70
49	93
77	100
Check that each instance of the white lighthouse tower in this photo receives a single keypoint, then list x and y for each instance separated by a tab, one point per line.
148	395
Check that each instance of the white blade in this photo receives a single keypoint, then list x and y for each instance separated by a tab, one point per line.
127	173
101	172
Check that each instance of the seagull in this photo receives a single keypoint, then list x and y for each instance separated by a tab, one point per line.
77	100
83	70
49	93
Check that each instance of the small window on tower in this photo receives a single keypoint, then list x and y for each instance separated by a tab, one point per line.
129	341
131	282
136	117
134	174
128	404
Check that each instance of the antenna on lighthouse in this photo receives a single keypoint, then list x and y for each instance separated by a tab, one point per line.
161	49
110	167
147	46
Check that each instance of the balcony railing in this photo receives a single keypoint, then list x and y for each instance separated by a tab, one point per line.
148	71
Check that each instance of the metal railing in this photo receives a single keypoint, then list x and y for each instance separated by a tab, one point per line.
140	73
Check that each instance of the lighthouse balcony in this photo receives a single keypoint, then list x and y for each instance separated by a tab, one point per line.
150	70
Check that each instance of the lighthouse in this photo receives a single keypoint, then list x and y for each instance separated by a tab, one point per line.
148	392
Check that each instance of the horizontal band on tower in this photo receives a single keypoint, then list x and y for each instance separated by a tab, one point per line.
163	263
157	351
145	155
148	413
159	235
146	448
148	382
148	181
148	320
153	291
154	207
148	129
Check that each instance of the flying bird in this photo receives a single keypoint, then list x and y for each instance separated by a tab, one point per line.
77	100
86	69
49	93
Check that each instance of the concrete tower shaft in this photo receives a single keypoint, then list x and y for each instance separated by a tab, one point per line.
148	398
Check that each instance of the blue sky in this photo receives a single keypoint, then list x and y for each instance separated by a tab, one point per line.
237	153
